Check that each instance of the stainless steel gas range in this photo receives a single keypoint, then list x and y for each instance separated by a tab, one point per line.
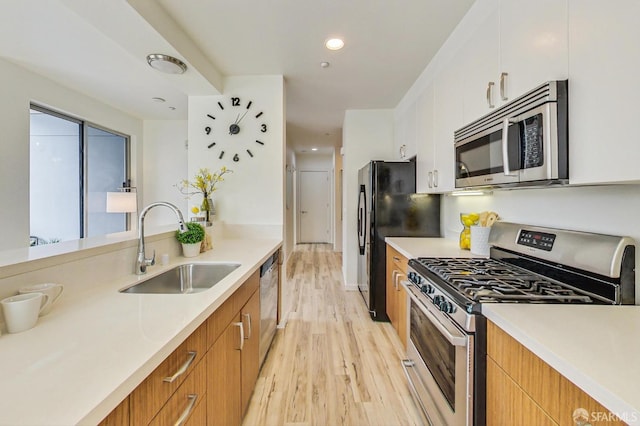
446	352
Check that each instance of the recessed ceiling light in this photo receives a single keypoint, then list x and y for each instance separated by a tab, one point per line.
334	44
167	64
324	64
158	100
172	108
314	149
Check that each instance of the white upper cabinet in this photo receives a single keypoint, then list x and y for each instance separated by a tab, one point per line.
448	117
533	44
604	91
405	132
480	59
425	147
512	47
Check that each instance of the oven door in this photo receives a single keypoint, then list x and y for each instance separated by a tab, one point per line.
517	149
439	364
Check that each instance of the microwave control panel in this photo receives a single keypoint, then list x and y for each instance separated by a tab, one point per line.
535	239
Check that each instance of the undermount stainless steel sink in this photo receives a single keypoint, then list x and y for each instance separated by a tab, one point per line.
184	279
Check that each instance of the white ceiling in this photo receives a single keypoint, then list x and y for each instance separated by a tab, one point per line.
98	47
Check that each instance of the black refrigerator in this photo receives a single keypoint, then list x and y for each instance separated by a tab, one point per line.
389	207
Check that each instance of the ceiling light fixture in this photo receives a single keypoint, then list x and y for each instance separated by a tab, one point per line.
334	44
324	64
314	149
158	100
167	64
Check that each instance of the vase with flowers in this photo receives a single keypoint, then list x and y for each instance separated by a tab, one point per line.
204	183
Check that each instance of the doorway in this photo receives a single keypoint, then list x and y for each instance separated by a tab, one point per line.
314	207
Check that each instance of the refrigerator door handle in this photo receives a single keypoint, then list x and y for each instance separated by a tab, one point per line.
362	205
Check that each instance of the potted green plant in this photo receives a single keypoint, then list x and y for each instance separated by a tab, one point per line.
191	239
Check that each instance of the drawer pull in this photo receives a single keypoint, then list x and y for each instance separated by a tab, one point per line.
248	317
241	327
181	370
192	397
396	258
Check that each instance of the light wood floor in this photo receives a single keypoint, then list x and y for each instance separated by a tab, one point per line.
331	365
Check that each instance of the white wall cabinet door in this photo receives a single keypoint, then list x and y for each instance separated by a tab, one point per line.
448	117
425	145
533	44
480	57
604	91
405	132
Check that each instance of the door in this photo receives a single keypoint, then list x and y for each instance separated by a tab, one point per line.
314	207
224	375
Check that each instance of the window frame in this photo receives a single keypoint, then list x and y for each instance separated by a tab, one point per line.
84	166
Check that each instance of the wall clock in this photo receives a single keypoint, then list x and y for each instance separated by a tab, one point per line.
235	129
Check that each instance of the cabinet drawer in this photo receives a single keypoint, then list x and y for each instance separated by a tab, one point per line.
187	403
399	261
153	393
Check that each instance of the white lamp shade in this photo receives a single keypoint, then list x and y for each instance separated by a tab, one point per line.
122	202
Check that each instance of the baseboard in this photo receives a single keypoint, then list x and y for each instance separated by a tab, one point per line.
351	287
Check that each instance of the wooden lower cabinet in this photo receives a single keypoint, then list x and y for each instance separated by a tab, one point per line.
186	401
224	377
508	404
209	378
250	357
119	416
523	389
397	265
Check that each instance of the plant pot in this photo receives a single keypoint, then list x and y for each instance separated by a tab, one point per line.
191	250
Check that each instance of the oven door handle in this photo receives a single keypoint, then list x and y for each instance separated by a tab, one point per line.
505	146
451	333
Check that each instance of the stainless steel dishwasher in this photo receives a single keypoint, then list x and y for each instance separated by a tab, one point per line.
268	303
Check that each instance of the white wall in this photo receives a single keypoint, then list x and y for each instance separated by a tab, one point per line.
19	88
254	192
366	135
165	165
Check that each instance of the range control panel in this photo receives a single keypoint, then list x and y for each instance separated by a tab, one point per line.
539	240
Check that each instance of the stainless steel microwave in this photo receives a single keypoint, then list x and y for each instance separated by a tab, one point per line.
524	142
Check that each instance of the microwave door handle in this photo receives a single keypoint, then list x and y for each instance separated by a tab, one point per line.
505	147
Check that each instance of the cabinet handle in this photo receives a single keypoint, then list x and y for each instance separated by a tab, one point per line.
248	317
490	94
503	86
192	397
400	274
241	327
430	180
183	369
397	259
435	178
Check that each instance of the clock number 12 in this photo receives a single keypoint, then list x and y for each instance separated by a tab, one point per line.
235	101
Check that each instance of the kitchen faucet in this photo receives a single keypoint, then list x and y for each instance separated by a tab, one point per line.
141	261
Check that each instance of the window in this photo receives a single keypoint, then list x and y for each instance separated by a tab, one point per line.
73	165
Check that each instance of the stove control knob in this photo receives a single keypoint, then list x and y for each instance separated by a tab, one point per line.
427	288
447	307
438	300
418	279
412	276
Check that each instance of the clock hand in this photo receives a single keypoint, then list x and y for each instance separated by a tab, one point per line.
238	121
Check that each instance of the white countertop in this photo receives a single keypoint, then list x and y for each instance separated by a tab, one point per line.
595	347
82	359
427	247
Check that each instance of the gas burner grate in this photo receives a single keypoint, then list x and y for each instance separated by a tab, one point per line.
488	280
